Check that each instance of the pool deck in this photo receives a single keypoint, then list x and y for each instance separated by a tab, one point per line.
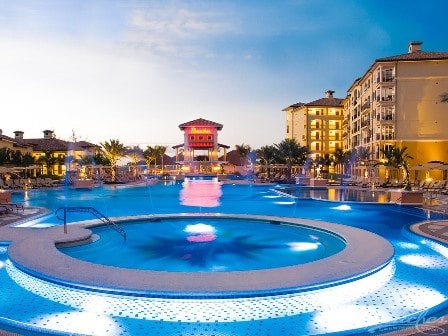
34	251
437	230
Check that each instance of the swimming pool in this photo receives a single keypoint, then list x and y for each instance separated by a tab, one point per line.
413	285
208	245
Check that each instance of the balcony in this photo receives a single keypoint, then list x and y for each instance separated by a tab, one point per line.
365	106
365	123
385	136
387	79
388	98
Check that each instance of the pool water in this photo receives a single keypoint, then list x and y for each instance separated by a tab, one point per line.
408	292
206	245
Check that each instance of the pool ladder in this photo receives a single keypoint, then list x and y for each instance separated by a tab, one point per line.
94	212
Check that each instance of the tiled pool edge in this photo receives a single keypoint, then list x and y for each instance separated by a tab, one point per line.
278	281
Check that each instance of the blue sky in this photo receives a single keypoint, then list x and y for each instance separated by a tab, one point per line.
134	70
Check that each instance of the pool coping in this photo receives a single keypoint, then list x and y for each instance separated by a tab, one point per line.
34	252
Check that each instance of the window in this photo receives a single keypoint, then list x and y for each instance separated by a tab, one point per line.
287	128
191	137
201	137
209	138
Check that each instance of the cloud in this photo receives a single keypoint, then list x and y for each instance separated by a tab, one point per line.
174	31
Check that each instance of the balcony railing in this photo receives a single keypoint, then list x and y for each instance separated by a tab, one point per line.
385	79
385	117
388	98
365	106
365	123
385	136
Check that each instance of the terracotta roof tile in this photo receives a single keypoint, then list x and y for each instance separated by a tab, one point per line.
48	144
416	56
326	102
296	105
200	122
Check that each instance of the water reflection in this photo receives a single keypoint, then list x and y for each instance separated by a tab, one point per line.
202	193
341	195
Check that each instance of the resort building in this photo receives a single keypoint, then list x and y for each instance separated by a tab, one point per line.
317	125
58	150
199	153
14	144
400	101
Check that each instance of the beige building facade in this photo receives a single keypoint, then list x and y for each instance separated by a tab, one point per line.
317	125
401	101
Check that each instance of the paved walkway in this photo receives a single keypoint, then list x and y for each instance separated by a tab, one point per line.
22	216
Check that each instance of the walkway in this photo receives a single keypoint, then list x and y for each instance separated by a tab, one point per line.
20	216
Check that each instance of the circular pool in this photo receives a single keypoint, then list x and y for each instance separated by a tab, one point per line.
208	245
309	265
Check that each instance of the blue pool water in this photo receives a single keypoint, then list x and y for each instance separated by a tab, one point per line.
407	292
206	245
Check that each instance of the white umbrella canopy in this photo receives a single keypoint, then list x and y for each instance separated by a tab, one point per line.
418	168
434	165
4	170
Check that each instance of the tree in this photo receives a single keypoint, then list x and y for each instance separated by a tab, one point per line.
135	154
291	151
101	159
267	155
363	154
243	151
27	159
149	155
5	155
160	152
325	161
339	157
49	160
114	151
398	158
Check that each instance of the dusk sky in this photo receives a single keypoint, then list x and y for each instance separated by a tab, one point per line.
135	70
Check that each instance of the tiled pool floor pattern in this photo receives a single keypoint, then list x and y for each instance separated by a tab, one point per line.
54	307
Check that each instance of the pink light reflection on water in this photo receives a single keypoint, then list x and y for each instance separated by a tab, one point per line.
202	193
202	238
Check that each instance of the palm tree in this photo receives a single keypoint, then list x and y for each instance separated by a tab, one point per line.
149	155
338	159
134	153
160	152
325	161
114	151
27	159
363	154
243	151
49	160
267	155
101	159
291	151
398	158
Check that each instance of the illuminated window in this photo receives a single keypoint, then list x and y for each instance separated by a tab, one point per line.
191	137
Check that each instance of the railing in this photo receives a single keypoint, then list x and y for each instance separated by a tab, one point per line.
388	79
365	106
94	212
385	137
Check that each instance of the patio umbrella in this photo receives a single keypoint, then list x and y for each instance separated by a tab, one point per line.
417	169
4	170
433	165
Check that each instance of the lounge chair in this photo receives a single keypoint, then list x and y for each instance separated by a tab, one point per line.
11	206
